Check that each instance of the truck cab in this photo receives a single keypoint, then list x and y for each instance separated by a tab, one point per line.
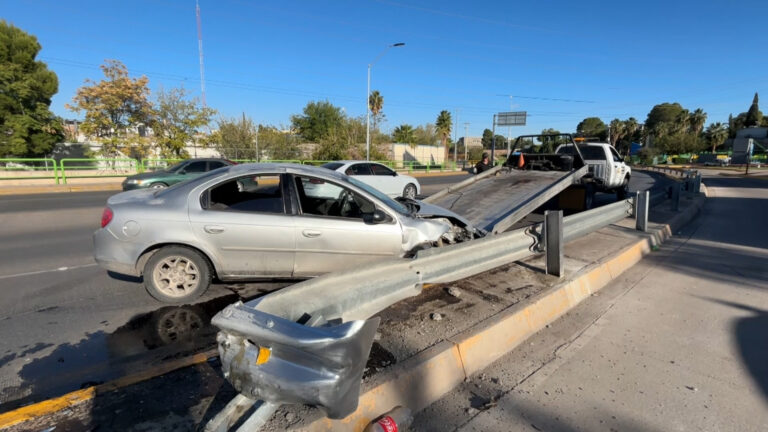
607	169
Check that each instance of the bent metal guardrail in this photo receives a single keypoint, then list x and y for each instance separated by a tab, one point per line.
308	343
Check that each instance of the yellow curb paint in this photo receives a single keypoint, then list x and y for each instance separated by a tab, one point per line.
74	398
39	409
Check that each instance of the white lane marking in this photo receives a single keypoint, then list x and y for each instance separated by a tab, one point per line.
47	271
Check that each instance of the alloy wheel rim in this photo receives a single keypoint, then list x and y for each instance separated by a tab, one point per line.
176	276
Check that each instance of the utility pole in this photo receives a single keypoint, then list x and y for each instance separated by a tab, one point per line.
455	140
466	128
200	51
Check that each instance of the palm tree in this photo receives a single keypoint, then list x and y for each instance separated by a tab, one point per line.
375	104
443	125
696	120
716	133
617	128
404	134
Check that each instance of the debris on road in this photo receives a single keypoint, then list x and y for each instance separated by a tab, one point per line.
435	316
454	291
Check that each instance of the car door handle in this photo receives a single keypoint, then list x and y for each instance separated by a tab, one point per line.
214	229
311	233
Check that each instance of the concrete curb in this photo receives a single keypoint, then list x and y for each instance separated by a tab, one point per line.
425	378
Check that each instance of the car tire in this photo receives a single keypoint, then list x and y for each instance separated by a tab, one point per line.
177	274
158	185
623	190
409	191
589	196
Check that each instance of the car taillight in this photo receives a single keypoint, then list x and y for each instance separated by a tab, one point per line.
106	217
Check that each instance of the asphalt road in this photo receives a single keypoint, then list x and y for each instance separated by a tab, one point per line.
66	323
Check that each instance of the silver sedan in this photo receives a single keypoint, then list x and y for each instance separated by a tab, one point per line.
256	221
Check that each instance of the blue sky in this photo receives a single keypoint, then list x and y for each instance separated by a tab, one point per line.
561	60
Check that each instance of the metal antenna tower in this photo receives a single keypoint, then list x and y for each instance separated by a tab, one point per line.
200	49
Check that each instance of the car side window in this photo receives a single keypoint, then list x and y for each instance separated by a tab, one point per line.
195	167
321	198
381	170
252	193
359	169
616	157
212	165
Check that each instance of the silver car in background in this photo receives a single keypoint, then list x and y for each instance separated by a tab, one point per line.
256	221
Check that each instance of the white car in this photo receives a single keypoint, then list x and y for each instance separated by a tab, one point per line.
607	167
379	176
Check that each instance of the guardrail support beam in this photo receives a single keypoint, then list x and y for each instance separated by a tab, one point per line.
553	242
641	210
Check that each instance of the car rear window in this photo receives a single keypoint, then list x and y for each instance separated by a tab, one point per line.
592	152
333	166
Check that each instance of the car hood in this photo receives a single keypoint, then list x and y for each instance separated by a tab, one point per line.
430	211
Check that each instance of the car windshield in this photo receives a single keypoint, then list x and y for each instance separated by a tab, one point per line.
333	166
394	205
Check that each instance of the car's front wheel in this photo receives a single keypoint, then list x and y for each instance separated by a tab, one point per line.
158	185
409	191
623	190
177	274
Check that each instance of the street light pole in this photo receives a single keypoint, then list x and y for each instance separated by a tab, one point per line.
368	101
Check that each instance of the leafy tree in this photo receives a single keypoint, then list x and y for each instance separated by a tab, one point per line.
487	139
320	120
617	131
592	127
236	138
27	126
696	120
115	110
501	141
425	134
276	144
178	121
443	125
716	135
754	116
680	142
667	114
376	104
405	134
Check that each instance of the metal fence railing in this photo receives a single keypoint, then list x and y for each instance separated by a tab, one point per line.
29	169
90	168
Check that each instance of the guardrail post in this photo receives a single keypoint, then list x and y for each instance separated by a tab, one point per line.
553	242
676	196
697	184
641	210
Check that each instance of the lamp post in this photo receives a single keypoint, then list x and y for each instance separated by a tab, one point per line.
367	101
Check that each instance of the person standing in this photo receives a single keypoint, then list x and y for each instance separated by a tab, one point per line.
483	165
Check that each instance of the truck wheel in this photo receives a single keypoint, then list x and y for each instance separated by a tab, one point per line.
177	274
623	190
589	196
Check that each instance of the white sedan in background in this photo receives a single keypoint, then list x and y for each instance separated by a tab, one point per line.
379	176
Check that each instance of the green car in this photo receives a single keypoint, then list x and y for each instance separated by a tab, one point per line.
180	172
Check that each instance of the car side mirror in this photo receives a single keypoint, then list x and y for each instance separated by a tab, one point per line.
377	217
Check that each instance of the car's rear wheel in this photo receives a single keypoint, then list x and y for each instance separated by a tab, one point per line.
409	191
158	185
177	274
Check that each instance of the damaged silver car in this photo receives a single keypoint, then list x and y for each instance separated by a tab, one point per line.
256	221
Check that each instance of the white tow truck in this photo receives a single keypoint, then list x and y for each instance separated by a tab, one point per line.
606	169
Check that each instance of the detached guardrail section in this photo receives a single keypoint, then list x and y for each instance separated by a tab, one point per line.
308	343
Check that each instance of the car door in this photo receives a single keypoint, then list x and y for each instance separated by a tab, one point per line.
388	180
619	168
245	222
362	171
331	233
